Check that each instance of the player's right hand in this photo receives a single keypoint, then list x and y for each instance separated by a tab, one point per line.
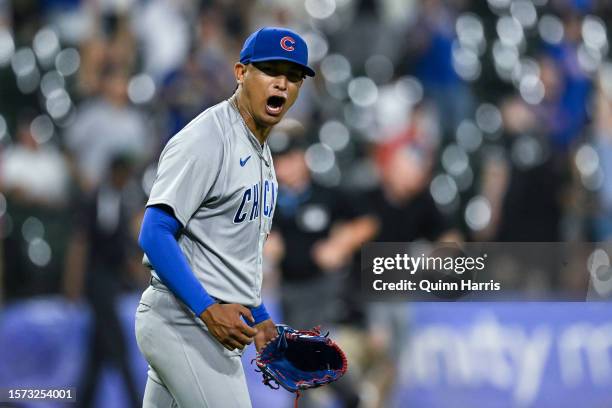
225	324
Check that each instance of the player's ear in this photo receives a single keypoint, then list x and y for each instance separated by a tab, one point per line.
239	72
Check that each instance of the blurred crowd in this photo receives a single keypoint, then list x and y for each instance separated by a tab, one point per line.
433	119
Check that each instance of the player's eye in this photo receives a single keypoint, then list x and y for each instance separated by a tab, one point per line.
295	76
270	70
267	69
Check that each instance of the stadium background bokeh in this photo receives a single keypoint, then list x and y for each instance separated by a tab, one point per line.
506	103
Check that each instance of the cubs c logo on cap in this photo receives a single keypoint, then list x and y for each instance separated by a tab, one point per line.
287	43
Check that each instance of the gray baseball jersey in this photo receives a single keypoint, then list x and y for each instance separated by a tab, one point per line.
220	182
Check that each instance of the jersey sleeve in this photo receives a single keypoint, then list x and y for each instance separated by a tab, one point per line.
188	168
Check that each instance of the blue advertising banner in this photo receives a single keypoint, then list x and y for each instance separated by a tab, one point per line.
508	355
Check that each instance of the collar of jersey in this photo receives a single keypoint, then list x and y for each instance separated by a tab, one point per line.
252	139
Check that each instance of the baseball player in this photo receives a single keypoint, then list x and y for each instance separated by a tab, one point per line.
208	215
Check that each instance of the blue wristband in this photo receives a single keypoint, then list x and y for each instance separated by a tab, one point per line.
260	314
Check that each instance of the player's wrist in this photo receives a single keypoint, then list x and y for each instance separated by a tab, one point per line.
260	314
205	303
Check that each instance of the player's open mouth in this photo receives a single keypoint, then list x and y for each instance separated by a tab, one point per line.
274	105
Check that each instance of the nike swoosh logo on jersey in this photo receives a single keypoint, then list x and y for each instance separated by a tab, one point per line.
243	161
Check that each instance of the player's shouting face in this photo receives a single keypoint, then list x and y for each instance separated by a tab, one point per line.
268	89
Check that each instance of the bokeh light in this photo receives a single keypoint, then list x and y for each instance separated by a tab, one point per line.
488	118
23	62
42	129
532	89
320	9
336	68
141	89
46	46
39	252
3	128
51	82
470	32
550	29
28	83
468	136
363	91
466	63
443	189
318	46
67	62
498	5
478	213
524	12
3	205
409	89
32	228
527	152
594	33
506	58
454	160
320	158
334	134
510	31
58	104
586	160
589	58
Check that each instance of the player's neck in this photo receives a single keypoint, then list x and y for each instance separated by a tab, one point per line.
261	132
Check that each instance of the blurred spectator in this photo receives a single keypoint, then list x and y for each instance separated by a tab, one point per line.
567	85
121	47
107	126
403	203
35	179
185	94
526	189
431	59
93	55
204	78
318	230
113	45
35	172
531	204
407	212
163	33
101	264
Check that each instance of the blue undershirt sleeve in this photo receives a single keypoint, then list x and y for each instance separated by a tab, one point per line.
157	240
260	314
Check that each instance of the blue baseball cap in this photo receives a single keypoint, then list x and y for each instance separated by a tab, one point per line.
276	43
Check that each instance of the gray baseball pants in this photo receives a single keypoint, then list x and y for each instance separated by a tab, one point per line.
188	368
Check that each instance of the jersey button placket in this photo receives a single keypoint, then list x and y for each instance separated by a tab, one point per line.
259	277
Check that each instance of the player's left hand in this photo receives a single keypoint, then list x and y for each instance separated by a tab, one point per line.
266	331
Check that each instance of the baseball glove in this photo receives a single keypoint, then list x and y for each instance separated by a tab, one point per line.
300	359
